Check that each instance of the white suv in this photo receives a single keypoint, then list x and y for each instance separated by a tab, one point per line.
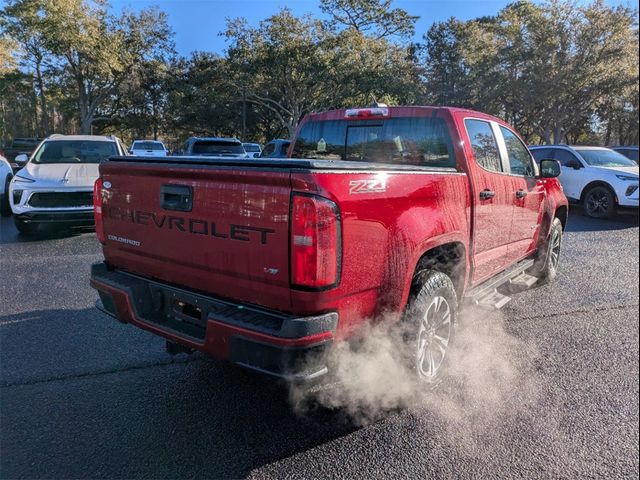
600	179
55	187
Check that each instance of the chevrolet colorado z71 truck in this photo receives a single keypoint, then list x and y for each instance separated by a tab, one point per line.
404	212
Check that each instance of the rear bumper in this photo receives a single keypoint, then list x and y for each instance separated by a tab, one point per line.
61	217
285	346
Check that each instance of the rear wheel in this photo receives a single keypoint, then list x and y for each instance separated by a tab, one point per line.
5	206
431	318
599	202
546	268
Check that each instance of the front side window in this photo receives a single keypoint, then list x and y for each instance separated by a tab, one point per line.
519	158
417	141
484	144
565	157
74	151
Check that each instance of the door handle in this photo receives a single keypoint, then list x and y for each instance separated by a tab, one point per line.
487	194
521	193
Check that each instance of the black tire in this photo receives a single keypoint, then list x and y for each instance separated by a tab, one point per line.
599	202
5	206
548	261
430	333
26	228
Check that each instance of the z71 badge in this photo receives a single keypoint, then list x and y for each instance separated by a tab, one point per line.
367	186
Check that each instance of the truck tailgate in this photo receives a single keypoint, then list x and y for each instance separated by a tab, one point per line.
217	229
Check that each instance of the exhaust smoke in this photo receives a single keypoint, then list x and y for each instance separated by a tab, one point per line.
488	373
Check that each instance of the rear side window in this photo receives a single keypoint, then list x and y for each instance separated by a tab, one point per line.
402	141
484	144
519	158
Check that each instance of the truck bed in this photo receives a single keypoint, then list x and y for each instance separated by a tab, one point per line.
278	163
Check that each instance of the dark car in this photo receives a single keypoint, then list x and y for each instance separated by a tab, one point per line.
19	146
629	151
276	148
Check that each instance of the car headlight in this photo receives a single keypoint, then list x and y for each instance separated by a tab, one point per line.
20	178
627	178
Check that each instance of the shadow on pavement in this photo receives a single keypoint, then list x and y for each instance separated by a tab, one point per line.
9	234
579	222
156	417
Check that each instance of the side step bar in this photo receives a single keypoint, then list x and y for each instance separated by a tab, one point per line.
487	294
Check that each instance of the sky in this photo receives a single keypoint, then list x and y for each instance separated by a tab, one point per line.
197	23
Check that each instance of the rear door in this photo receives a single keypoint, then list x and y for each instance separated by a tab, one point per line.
527	194
493	209
214	229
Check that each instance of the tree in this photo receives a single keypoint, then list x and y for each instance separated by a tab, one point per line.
374	18
285	65
98	51
293	66
23	24
547	69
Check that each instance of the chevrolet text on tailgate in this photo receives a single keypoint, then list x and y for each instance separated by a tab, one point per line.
403	211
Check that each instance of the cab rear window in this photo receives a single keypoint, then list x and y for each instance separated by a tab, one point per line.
403	141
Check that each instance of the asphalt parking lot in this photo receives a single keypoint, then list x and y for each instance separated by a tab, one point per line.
82	396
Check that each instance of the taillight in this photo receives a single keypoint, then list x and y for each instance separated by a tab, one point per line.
97	209
315	242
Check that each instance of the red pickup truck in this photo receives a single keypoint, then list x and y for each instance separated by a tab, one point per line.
405	212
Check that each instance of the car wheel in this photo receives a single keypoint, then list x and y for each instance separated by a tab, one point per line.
599	202
26	228
430	320
549	255
5	206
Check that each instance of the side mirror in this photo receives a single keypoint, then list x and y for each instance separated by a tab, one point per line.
21	160
550	169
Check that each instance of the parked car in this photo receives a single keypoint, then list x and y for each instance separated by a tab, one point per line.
148	148
20	146
276	148
56	185
253	149
214	147
6	174
629	151
403	211
601	180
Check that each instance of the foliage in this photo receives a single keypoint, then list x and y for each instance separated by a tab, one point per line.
550	70
558	71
